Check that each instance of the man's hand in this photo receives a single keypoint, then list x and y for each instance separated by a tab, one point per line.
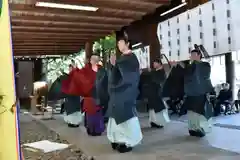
174	63
113	59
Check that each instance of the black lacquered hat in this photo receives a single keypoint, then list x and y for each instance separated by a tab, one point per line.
122	35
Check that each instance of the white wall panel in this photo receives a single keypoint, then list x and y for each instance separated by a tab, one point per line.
207	28
184	53
164	34
160	38
221	26
143	56
212	17
173	38
234	6
194	24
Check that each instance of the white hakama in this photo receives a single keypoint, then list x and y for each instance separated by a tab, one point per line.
160	118
75	118
128	133
198	122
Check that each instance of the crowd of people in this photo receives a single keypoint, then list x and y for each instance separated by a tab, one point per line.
109	95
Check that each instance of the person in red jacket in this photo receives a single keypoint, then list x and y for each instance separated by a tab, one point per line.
81	82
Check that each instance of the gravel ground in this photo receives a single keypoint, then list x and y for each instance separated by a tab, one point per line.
33	131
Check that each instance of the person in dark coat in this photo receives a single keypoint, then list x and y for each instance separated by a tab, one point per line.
225	98
158	113
197	86
123	129
173	89
73	116
102	96
237	102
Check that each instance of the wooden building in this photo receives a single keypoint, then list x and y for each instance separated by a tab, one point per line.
41	30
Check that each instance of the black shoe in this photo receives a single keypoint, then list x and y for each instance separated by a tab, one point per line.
154	125
182	114
105	120
122	148
114	146
93	133
192	133
73	125
197	133
88	131
200	134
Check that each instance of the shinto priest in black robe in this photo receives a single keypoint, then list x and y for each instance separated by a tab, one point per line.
123	130
197	86
151	84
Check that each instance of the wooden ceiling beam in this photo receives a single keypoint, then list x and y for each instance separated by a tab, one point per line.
111	6
163	2
47	44
18	41
43	47
46	51
82	32
46	37
24	22
60	29
56	34
18	36
40	53
29	51
32	15
133	5
46	47
46	41
102	13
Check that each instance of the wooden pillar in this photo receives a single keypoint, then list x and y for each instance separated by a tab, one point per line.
195	3
153	42
230	72
38	70
88	49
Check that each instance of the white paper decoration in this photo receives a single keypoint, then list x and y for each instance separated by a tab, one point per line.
143	56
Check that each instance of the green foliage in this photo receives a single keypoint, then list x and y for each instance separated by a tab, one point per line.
105	46
54	67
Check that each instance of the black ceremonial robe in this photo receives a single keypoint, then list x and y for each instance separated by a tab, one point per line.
174	84
154	97
102	96
123	88
197	86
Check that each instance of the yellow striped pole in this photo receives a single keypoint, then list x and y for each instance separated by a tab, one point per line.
9	126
